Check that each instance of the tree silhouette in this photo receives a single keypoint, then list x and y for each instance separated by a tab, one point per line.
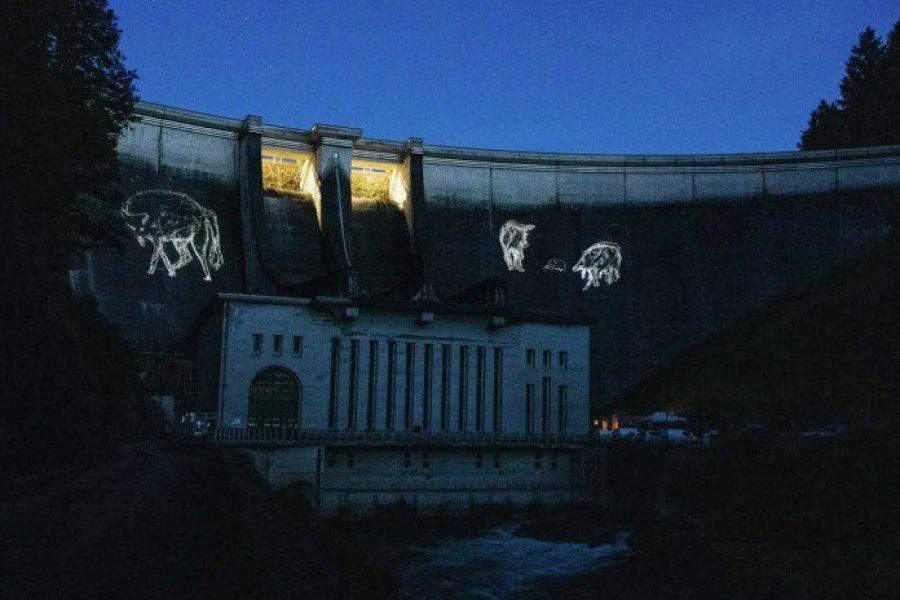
66	96
868	111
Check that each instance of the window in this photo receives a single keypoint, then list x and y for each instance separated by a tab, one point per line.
538	460
545	405
353	388
479	388
563	398
563	359
351	459
373	385
499	297
427	377
529	357
529	408
277	342
329	457
553	461
445	387
335	382
274	399
257	343
426	460
498	389
463	387
497	460
298	346
391	386
479	459
546	358
410	386
407	459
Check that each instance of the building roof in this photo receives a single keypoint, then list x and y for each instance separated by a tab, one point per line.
446	308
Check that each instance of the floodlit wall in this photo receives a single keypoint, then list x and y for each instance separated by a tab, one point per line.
181	225
363	480
701	240
444	478
660	251
380	381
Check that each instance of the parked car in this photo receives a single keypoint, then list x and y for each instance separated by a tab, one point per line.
650	436
828	431
603	434
625	433
679	437
834	430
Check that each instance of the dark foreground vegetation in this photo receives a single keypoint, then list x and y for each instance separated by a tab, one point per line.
174	519
363	572
762	518
69	381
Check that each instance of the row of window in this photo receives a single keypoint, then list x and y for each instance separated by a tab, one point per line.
562	399
278	344
547	358
277	402
415	390
348	459
297	350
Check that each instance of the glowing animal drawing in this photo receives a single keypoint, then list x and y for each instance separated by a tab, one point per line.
555	264
160	216
598	263
514	240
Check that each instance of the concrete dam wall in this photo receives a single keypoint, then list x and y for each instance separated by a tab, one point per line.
659	251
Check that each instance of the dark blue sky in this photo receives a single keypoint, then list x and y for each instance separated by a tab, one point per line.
606	77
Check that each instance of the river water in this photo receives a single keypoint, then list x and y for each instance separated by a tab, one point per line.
498	564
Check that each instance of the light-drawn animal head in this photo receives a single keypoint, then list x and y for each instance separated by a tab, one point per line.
599	262
136	222
514	235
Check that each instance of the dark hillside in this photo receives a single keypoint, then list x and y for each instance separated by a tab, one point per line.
826	350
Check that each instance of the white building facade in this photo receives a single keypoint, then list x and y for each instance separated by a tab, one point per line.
378	403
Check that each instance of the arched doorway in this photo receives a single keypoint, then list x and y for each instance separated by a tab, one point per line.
274	398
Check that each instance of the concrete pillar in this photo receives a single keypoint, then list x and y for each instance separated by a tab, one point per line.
416	215
334	150
251	199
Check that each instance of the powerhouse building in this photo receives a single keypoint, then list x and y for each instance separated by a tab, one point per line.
378	403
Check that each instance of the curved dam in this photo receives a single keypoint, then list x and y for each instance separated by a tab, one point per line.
657	252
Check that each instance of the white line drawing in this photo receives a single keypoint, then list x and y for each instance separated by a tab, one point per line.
160	216
598	263
514	240
555	264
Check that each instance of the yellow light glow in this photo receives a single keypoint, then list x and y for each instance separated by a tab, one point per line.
289	172
378	182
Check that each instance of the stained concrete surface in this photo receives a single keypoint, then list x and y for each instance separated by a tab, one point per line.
178	519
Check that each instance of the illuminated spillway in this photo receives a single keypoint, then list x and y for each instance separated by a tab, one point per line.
376	181
289	172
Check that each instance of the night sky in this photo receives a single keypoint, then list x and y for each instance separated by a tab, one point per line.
650	76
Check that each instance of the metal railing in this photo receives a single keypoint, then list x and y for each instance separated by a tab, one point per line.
296	436
441	485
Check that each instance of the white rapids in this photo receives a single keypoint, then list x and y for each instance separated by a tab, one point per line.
498	563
